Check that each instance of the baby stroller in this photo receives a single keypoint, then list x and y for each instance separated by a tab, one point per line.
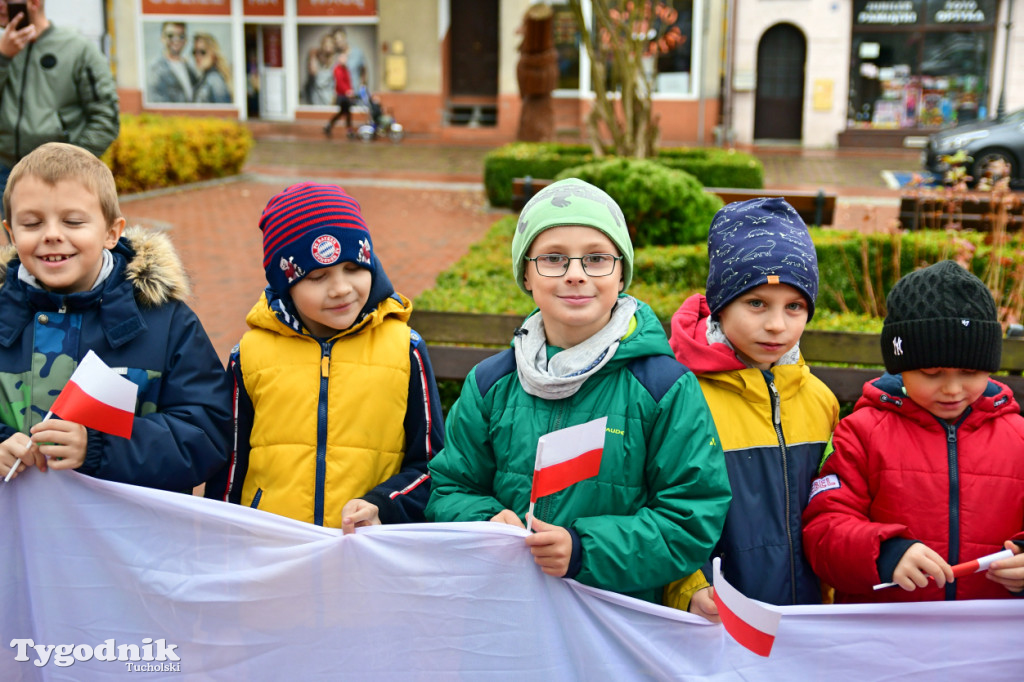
381	125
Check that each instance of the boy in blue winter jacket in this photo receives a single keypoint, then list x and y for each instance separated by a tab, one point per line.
72	283
655	508
775	417
337	411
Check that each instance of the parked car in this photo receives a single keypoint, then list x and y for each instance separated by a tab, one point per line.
985	142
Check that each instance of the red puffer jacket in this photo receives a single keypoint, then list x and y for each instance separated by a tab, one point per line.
899	472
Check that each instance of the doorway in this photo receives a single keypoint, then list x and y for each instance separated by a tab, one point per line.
779	100
473	63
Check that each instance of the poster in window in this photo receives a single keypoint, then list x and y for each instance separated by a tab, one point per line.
187	62
320	48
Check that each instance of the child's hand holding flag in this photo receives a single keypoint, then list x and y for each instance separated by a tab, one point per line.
95	397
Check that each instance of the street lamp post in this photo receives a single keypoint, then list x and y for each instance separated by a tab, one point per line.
1001	106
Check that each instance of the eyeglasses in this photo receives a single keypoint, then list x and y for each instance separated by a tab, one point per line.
557	264
174	36
198	53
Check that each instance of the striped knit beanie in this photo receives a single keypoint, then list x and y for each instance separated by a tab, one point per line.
310	226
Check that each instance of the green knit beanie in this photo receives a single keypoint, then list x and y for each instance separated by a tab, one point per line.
571	202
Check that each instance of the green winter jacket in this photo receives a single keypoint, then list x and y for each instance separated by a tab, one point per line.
57	89
653	513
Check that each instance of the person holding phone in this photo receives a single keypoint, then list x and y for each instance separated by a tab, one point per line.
16	10
55	86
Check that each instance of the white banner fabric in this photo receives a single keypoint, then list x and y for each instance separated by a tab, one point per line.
96	571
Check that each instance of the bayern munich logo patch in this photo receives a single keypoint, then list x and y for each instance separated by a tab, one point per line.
326	249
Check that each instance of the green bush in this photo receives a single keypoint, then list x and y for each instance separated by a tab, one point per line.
663	276
716	167
154	151
712	167
661	205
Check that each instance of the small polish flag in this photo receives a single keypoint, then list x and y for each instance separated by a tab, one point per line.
97	397
980	564
749	623
567	456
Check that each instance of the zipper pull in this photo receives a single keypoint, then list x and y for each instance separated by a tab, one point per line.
325	361
950	433
776	407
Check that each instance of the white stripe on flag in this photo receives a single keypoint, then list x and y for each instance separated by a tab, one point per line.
94	377
565	444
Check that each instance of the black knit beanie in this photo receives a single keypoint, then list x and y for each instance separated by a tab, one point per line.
941	316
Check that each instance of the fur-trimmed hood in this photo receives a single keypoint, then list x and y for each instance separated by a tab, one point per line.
153	266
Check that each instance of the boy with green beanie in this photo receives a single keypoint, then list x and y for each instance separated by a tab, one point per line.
655	509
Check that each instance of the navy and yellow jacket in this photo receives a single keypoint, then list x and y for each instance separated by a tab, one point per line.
774	427
655	509
137	322
322	421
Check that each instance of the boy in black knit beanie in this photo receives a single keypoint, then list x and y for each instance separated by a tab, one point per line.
928	471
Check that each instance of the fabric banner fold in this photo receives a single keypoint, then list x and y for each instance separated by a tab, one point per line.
104	580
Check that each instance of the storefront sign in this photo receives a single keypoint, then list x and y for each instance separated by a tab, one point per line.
887	12
973	12
337	8
264	8
207	7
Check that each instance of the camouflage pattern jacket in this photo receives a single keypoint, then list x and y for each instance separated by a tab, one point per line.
137	322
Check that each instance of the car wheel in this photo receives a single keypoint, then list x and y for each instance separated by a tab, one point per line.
988	157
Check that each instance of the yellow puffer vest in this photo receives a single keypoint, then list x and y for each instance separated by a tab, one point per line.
328	418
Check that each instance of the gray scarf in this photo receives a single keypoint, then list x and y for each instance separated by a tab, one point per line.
562	375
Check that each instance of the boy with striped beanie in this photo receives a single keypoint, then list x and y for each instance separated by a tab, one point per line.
337	411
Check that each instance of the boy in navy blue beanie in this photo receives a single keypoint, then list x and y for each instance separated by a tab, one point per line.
773	416
337	410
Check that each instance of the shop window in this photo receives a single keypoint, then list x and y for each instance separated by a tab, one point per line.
667	55
188	62
919	64
319	47
567	44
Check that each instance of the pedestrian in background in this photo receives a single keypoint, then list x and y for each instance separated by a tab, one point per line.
55	86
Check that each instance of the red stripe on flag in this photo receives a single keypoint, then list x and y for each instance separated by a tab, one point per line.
966	568
75	405
743	632
556	477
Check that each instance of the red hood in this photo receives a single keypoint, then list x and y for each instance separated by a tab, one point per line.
689	339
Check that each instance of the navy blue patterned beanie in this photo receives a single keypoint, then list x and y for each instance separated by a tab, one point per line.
755	242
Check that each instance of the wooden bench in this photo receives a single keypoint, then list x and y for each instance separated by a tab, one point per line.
524	188
976	213
816	208
458	341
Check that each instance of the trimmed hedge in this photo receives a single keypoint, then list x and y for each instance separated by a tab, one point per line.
154	151
661	205
711	166
663	276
